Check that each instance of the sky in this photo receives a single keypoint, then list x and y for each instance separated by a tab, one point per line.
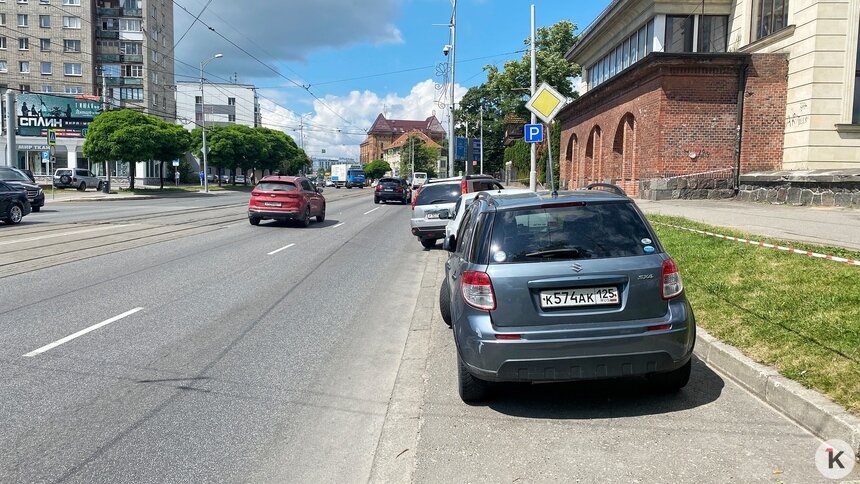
327	68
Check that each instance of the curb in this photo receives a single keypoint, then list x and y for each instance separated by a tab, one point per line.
806	407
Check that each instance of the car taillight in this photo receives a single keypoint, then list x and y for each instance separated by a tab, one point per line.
464	186
399	189
378	188
415	196
672	285
478	290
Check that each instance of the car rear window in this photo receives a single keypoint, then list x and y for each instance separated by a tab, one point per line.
64	172
589	231
440	193
269	186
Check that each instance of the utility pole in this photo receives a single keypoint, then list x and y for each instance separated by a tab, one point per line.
203	124
105	108
452	139
467	163
533	166
11	145
481	110
411	156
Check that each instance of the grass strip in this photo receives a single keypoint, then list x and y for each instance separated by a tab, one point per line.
800	315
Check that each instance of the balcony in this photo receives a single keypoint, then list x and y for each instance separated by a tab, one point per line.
132	12
108	12
124	81
133	58
102	58
107	34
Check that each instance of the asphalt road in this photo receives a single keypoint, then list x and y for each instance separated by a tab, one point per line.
282	354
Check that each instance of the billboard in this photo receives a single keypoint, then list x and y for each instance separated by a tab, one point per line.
69	116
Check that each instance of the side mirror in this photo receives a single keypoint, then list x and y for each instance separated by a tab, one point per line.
450	243
445	214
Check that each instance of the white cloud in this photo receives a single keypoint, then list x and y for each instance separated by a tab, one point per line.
277	31
323	129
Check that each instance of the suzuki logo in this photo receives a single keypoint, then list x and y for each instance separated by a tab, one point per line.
576	267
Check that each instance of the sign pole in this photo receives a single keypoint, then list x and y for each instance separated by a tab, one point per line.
11	146
533	152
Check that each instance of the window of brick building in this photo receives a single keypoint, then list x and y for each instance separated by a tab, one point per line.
713	33
769	16
679	33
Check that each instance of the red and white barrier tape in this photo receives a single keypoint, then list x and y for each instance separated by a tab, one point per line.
790	250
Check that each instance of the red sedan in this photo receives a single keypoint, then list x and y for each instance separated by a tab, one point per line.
286	198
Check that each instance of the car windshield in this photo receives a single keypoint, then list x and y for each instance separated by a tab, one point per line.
13	175
268	186
588	231
441	193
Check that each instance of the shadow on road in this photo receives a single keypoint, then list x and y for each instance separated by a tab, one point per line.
601	399
271	224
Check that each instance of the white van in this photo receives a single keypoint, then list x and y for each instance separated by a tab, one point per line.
418	178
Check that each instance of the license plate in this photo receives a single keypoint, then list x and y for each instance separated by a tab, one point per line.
387	189
432	215
583	296
272	204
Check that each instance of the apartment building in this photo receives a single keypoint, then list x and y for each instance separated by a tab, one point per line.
83	50
675	89
225	103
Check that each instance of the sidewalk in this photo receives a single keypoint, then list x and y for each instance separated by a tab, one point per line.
69	195
825	226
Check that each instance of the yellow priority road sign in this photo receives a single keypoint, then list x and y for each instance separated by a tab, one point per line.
546	102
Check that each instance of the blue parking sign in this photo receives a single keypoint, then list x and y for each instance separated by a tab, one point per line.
533	133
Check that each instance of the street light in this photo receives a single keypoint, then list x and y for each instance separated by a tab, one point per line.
203	117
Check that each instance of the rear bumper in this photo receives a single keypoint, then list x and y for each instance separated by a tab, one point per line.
564	354
390	196
274	215
429	232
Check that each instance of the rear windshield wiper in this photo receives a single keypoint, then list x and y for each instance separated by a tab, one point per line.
566	253
438	201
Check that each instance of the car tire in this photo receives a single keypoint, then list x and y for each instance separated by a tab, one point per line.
82	187
445	302
14	215
428	243
321	216
470	388
36	209
672	381
101	186
306	219
376	200
254	220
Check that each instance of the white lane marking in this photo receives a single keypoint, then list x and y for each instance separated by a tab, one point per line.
375	209
338	225
63	234
82	332
282	248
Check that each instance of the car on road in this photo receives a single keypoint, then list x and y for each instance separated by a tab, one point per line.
212	178
13	203
19	179
286	198
79	178
329	182
436	199
575	286
392	189
418	178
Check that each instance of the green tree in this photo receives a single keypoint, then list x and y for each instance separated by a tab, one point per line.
130	136
376	169
281	149
425	157
172	141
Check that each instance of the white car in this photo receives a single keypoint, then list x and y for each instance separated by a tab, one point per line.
456	217
418	179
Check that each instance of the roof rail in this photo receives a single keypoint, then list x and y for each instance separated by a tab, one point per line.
609	186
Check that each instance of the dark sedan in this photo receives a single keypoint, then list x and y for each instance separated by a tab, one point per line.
392	189
19	180
13	203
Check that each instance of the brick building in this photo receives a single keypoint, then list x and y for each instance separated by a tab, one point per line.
672	92
384	132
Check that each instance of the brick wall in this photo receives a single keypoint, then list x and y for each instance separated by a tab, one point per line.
674	115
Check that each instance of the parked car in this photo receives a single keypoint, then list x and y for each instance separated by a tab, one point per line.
431	201
19	179
329	182
79	178
456	216
392	189
212	178
286	198
240	179
13	203
437	197
569	287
